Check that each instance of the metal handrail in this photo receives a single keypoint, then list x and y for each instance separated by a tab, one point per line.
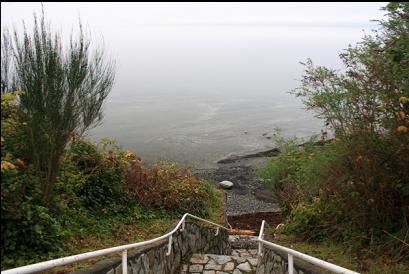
80	257
293	253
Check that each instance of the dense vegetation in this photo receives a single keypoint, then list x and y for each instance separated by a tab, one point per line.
98	187
355	188
59	190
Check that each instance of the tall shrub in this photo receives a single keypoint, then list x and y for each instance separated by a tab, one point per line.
63	92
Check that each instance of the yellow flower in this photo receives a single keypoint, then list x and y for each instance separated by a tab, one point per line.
402	129
404	99
130	154
5	165
400	114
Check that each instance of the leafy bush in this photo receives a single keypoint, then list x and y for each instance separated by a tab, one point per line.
26	225
103	187
327	193
296	173
306	219
169	186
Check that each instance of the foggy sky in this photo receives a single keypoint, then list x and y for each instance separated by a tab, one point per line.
104	15
209	47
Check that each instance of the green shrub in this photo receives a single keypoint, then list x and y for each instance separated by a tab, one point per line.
297	172
306	220
342	191
27	227
103	186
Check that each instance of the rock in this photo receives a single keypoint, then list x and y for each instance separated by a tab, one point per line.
252	261
236	271
228	267
184	267
238	259
213	266
196	268
221	259
253	252
199	259
244	267
226	184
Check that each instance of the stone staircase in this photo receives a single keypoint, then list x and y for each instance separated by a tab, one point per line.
242	260
221	254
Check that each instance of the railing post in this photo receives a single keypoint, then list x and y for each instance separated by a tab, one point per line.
217	231
169	246
260	246
261	237
183	225
125	262
290	264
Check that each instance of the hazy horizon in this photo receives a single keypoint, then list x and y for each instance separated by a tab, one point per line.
192	78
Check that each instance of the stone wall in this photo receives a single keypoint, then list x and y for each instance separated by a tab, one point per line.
196	238
276	262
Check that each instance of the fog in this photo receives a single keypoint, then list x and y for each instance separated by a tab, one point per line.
197	82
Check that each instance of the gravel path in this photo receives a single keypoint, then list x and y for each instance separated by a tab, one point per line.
249	194
243	204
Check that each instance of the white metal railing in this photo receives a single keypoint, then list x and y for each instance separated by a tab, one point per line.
292	253
123	248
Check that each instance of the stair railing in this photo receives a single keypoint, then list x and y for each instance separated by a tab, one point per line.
33	268
293	253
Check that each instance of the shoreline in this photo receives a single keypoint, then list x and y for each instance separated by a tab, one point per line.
249	195
272	152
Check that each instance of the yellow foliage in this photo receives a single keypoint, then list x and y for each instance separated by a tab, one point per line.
404	99
402	129
400	114
129	154
5	165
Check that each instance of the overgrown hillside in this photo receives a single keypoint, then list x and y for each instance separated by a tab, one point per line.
103	196
355	189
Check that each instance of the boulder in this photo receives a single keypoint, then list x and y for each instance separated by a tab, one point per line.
226	184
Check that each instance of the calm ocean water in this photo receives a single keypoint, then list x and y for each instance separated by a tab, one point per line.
198	93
